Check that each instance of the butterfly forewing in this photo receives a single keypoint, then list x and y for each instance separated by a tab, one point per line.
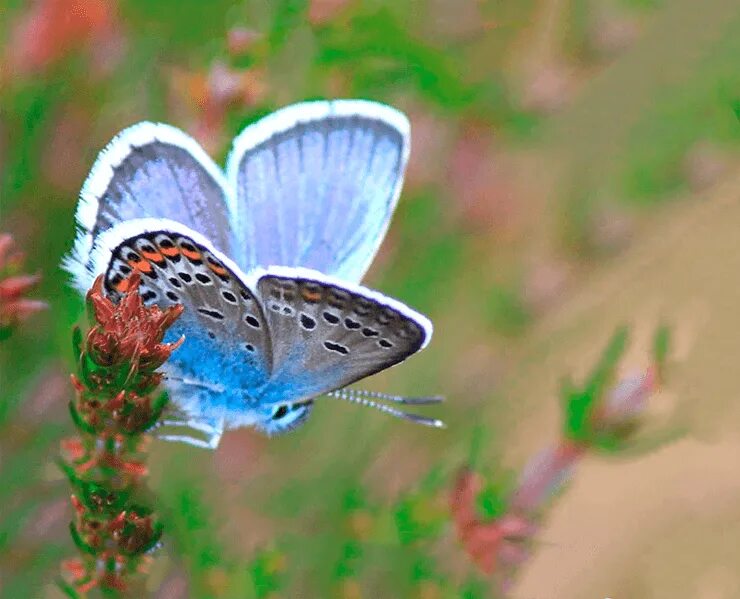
326	336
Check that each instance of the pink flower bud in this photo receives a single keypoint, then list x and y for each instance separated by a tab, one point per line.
544	476
627	400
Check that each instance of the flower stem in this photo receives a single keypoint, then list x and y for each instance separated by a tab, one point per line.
117	402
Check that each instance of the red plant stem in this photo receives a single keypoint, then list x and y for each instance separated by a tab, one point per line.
487	543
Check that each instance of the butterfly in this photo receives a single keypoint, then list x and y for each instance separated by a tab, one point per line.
266	259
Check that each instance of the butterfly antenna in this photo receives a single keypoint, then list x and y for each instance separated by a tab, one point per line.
353	396
409	401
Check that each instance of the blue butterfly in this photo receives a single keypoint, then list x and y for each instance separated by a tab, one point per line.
266	260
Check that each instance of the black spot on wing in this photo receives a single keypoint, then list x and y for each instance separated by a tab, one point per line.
212	313
330	318
352	324
252	321
307	322
336	347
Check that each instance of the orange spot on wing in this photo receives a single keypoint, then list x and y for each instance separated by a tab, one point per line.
311	296
191	255
173	251
141	265
155	257
123	285
217	268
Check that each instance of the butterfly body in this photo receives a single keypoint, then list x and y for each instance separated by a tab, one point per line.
265	261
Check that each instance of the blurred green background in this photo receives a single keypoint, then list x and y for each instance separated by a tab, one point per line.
575	164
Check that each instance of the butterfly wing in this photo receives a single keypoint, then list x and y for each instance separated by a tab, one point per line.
151	170
316	184
284	335
327	334
226	356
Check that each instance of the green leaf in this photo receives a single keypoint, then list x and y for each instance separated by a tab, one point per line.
102	499
68	589
567	391
160	402
476	446
506	312
375	43
434	481
603	374
661	347
265	573
288	15
78	420
424	569
88	367
474	589
70	473
579	404
492	500
649	444
77	343
417	519
612	441
348	564
79	541
354	499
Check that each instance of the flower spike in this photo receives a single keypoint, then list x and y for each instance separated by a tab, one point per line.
116	404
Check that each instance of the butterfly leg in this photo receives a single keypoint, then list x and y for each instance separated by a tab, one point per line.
199	433
210	443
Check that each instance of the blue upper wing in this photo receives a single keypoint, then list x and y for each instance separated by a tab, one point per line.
316	184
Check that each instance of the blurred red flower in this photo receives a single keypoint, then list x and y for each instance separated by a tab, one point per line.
239	40
483	193
206	96
321	11
51	29
14	306
494	544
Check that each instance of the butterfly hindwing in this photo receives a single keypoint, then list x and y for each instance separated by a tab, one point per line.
316	184
293	334
227	352
327	334
151	170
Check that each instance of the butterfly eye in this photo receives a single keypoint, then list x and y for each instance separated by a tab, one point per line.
286	417
280	412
